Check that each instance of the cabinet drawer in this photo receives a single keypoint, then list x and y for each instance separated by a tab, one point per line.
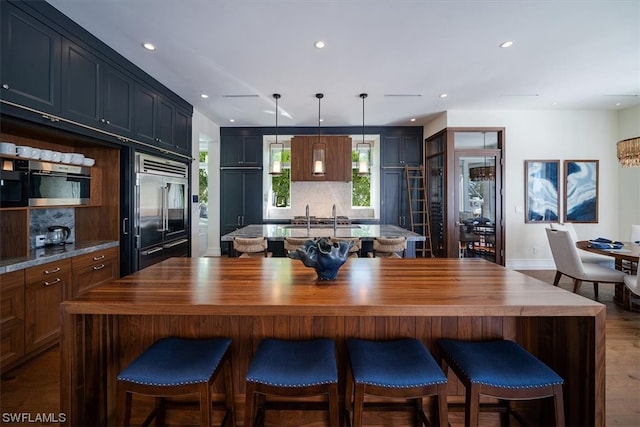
47	273
94	269
93	259
11	298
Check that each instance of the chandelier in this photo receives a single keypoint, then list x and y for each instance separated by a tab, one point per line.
482	173
486	172
629	152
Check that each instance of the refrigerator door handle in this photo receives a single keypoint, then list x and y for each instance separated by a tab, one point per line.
163	202
151	251
165	214
176	243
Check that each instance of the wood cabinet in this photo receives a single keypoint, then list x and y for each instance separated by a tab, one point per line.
45	286
12	317
30	66
30	300
93	269
94	93
338	165
241	150
241	190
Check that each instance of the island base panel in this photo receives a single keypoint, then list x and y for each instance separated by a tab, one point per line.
91	342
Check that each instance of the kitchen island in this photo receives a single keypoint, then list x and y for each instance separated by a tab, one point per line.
248	299
365	232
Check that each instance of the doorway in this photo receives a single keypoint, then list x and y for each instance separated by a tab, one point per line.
477	204
464	169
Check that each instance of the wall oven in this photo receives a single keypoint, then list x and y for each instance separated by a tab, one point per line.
14	183
56	184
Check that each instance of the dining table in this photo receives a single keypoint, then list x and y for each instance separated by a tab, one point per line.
248	299
630	251
625	259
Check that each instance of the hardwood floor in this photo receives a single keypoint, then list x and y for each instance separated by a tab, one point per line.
34	387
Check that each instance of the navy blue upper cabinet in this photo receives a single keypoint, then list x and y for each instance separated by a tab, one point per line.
401	150
30	66
159	122
241	150
94	93
53	67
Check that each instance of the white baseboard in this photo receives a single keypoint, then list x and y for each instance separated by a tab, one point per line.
531	264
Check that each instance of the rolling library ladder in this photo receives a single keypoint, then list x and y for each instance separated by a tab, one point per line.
419	208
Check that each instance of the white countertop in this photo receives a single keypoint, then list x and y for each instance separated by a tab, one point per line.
363	231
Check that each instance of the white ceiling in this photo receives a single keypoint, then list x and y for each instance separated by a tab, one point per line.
567	55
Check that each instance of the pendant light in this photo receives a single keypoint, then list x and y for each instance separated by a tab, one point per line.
276	148
483	173
318	164
363	148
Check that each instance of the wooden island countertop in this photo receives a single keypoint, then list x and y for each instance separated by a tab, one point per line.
249	299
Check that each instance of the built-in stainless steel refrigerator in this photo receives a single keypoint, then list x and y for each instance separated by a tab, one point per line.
161	210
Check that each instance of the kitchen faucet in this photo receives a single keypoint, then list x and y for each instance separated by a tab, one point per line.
335	218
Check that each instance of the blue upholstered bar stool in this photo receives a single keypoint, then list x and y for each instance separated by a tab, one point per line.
292	369
501	369
177	366
394	369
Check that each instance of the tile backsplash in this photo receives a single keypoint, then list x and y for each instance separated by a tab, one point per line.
320	196
40	219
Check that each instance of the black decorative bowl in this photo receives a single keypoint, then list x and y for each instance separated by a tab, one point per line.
324	256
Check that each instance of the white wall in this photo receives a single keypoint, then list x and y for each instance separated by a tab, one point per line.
561	135
629	189
205	241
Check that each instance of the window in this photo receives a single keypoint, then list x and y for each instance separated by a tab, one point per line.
281	184
203	179
361	184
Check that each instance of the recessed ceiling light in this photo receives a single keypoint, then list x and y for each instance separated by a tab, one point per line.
232	120
319	44
204	96
507	43
618	104
412	120
443	95
149	46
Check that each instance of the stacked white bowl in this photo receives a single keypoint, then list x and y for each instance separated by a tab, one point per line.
8	148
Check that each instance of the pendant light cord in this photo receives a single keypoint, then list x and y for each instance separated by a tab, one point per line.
363	96
277	97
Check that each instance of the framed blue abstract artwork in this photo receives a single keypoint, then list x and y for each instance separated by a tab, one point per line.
581	190
542	201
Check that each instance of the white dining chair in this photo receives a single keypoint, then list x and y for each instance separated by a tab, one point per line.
631	290
568	262
635	233
586	257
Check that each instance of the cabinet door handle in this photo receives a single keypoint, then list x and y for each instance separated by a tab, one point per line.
98	267
55	270
124	225
98	258
53	282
